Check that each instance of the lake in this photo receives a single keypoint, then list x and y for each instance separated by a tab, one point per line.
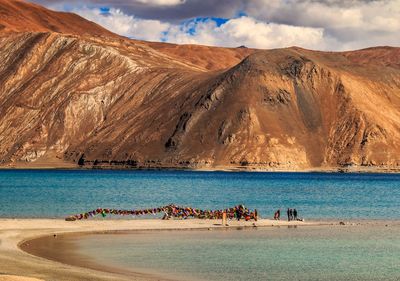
323	253
59	193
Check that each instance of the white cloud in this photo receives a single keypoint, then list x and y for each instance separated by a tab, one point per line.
129	26
246	31
161	2
235	32
323	25
346	24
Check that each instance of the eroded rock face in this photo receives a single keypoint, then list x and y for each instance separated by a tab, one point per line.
108	101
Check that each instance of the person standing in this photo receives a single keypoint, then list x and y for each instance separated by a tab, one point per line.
295	214
279	214
291	214
288	214
238	213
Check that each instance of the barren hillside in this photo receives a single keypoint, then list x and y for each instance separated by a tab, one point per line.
102	100
21	16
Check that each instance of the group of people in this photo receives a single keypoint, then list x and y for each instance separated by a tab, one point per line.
238	212
291	214
174	211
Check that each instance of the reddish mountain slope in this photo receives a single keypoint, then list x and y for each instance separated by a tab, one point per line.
206	57
21	16
106	101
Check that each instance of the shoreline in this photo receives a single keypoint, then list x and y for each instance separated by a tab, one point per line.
249	169
15	232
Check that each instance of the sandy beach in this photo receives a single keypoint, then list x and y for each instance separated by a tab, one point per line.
18	265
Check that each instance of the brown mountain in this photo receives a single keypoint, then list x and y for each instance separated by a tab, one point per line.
21	16
104	100
205	57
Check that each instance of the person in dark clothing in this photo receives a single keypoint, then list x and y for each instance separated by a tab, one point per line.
295	214
276	215
288	214
238	213
279	214
291	214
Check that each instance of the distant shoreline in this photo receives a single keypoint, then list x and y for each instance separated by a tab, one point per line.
354	170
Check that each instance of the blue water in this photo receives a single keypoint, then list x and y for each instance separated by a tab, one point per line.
305	253
56	193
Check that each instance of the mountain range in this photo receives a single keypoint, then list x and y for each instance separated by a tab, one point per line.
75	94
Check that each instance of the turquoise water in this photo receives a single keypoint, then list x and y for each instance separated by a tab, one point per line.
303	253
44	193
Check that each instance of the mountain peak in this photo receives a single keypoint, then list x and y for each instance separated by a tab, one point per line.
74	93
21	16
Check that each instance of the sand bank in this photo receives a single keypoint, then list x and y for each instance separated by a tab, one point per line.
17	278
14	232
14	261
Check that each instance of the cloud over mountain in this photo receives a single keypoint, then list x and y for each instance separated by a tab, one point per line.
327	25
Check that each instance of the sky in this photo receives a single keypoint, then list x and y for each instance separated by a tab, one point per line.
314	24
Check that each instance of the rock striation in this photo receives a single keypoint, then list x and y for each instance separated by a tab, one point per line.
101	100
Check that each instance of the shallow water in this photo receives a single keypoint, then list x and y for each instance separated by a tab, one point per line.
54	193
302	253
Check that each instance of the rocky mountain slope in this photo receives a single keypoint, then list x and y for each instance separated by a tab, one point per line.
21	16
106	101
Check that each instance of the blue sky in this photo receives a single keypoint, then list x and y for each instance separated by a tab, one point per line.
314	24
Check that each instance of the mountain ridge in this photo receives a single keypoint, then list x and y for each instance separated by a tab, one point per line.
106	101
